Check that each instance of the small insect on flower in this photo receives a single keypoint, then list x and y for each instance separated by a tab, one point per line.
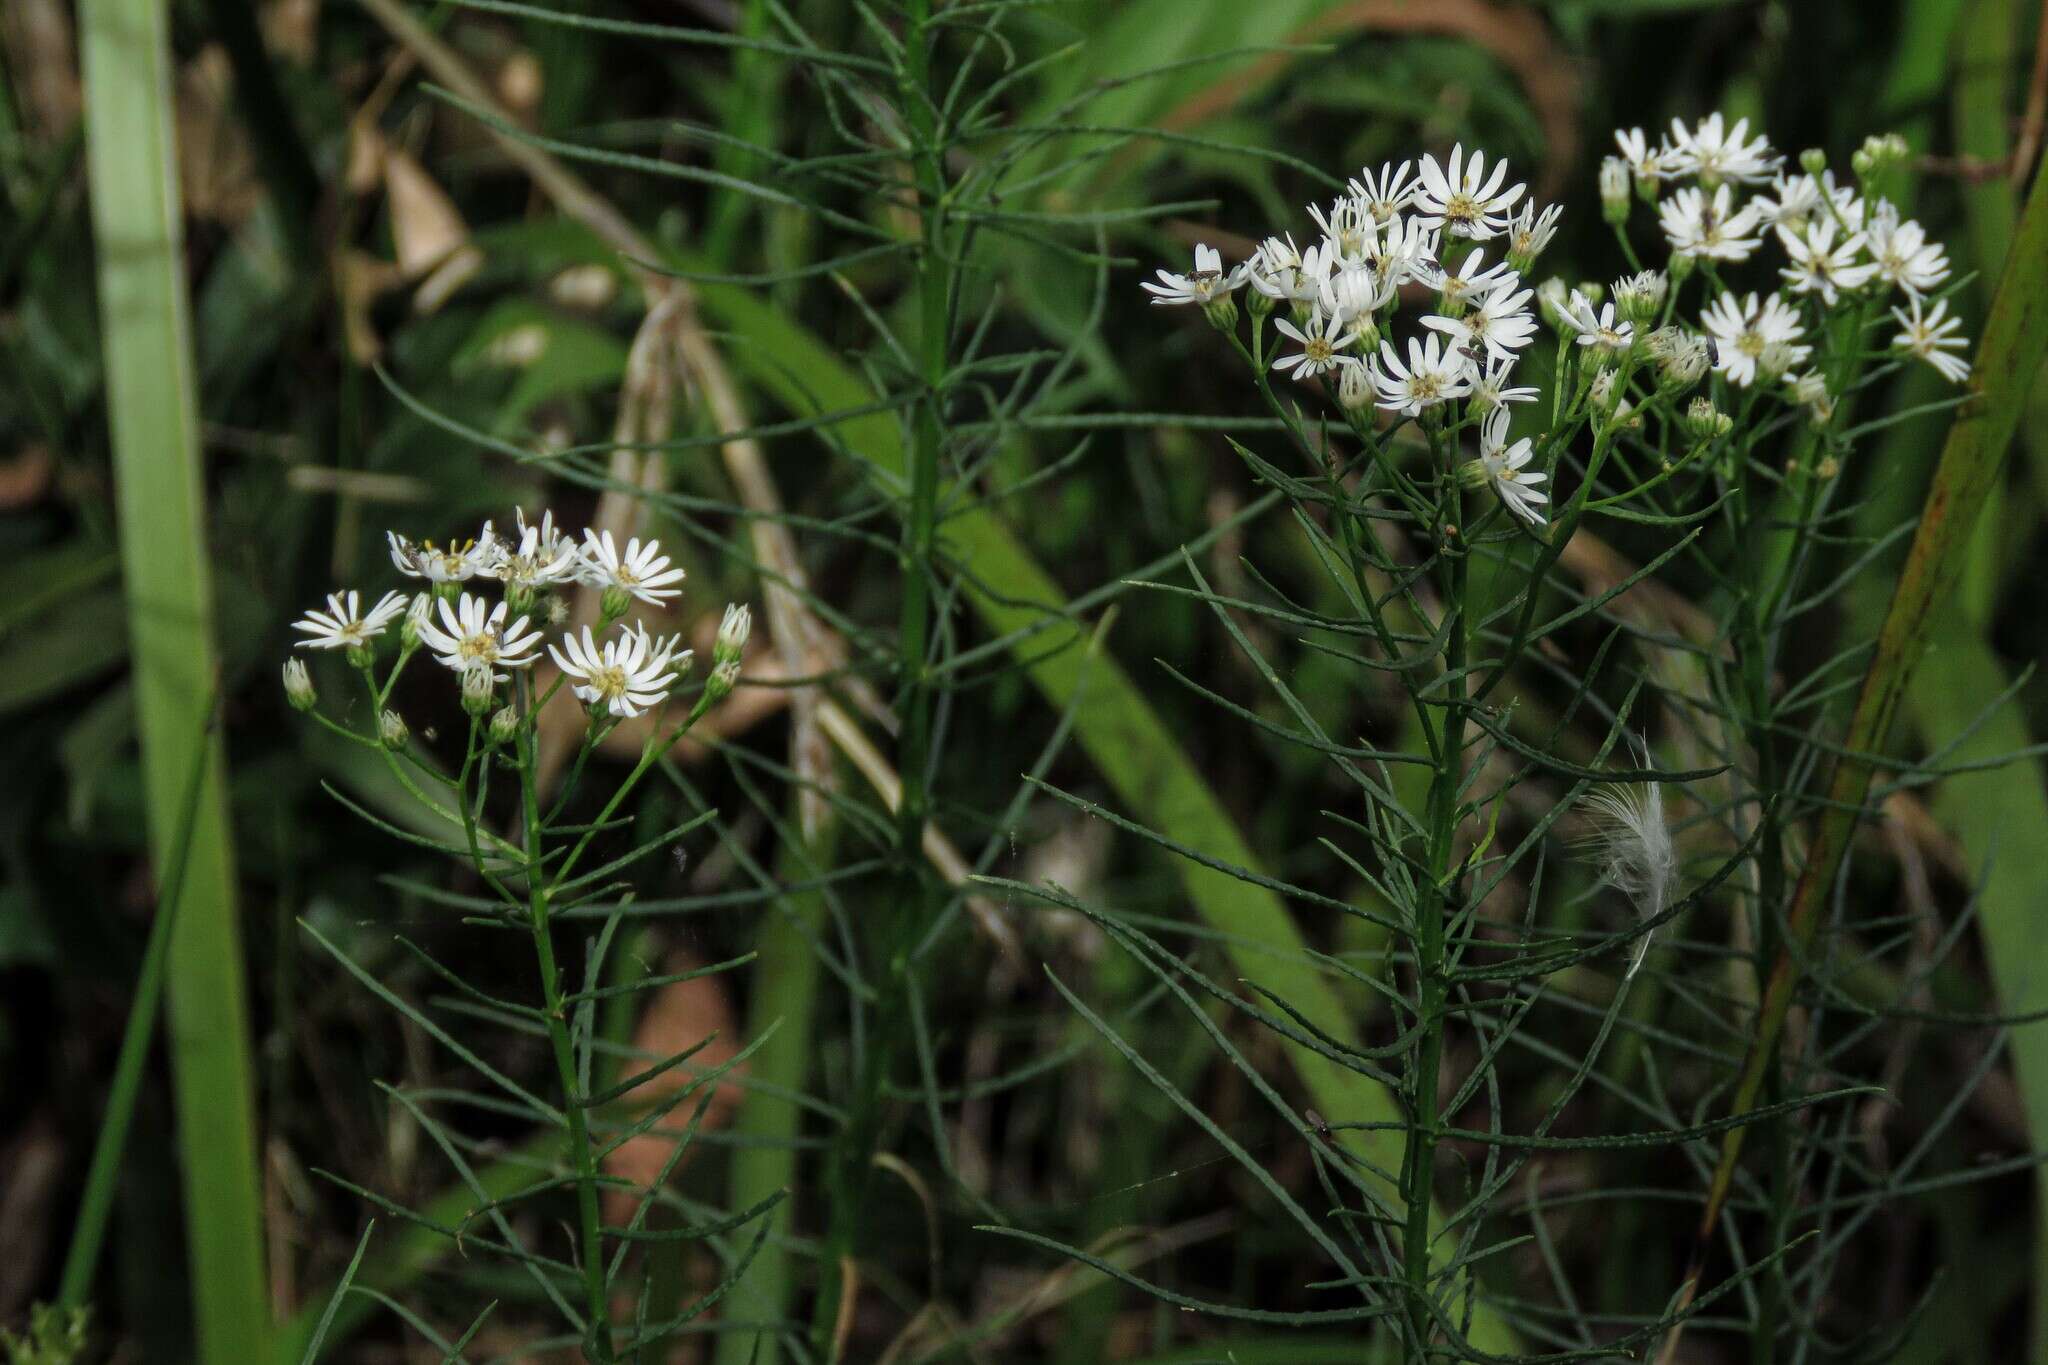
1934	337
1743	328
642	571
1698	225
455	562
543	557
627	674
1501	325
1505	469
1459	198
1632	845
1203	285
344	626
473	637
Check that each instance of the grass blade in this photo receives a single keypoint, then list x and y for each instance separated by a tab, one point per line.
152	408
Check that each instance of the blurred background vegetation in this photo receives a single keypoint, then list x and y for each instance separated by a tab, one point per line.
371	271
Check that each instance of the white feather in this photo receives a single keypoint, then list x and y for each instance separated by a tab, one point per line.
1633	846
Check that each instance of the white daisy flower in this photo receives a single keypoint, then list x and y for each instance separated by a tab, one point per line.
453	563
1206	283
1903	255
1346	226
1405	248
1468	281
629	673
1386	194
1790	200
1820	265
1602	329
344	625
641	571
1507	469
1432	375
1645	163
543	557
1529	232
473	637
1460	198
1699	225
1280	271
1490	387
1500	324
1743	328
1354	292
1714	154
1933	336
1322	346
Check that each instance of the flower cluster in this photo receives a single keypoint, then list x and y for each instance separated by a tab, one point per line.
1459	228
1463	234
618	670
1732	196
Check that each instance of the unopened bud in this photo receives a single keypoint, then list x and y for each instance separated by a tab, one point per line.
1551	297
479	690
1704	422
1261	305
557	610
1354	387
391	729
1603	391
298	685
415	615
1684	361
614	602
1774	359
519	598
1222	311
1681	266
733	630
1614	190
1813	161
504	725
725	676
1640	297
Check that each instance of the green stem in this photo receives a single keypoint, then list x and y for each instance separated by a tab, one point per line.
598	1331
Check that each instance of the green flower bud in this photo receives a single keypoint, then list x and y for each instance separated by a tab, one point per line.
391	729
298	686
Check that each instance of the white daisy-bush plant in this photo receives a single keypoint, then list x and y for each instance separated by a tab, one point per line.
1705	390
490	617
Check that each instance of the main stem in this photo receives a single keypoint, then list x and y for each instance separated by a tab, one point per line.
1433	905
852	1163
598	1333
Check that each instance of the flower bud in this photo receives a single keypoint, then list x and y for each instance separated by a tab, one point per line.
1640	297
391	729
725	676
1614	190
1682	358
1551	297
1811	391
415	615
1592	291
1704	422
479	690
1221	310
557	610
1354	387
519	598
1261	305
613	603
504	725
1774	359
1813	161
298	685
1681	266
732	633
1603	394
